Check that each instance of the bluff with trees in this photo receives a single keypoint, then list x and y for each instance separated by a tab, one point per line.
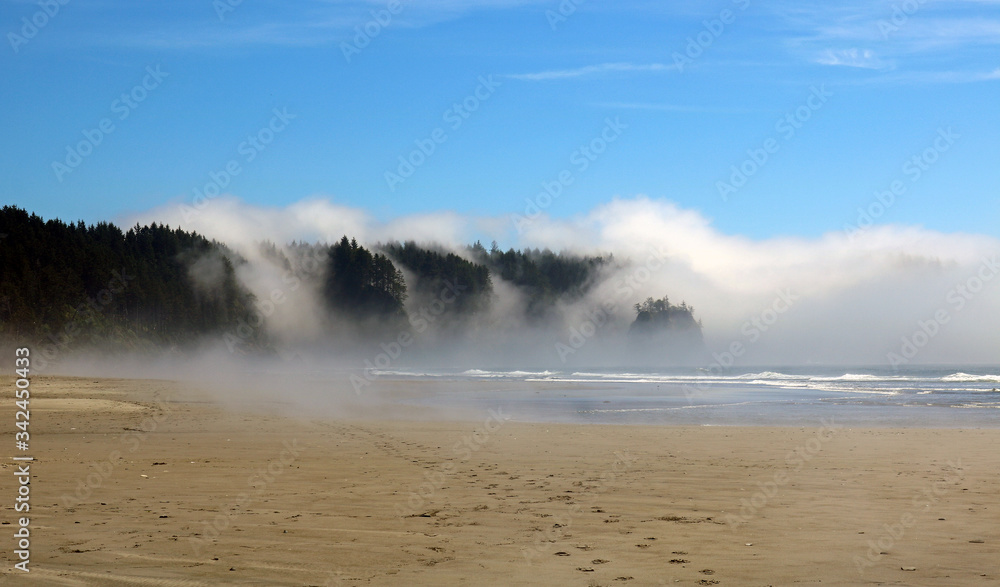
153	286
665	332
364	283
654	316
435	271
543	276
148	284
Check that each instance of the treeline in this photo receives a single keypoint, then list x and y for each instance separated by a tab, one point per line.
437	271
158	285
654	316
544	276
363	283
150	283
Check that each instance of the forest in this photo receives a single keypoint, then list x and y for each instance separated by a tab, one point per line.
543	275
154	286
149	284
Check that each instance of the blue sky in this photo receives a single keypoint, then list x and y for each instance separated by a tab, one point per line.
923	84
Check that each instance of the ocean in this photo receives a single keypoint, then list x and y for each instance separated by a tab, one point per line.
877	396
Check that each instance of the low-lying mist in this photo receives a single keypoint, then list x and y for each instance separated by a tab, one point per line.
884	295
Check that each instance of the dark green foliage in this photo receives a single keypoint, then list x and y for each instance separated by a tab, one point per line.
543	275
436	271
103	285
663	332
152	285
272	253
363	284
658	315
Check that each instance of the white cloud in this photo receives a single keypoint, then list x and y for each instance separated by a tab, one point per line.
933	77
863	58
944	34
859	295
239	224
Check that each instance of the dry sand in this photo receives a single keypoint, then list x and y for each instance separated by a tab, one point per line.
491	502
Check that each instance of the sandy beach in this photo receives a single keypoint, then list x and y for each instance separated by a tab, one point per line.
142	482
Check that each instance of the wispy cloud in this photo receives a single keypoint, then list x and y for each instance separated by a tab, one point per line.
863	58
949	35
944	77
590	70
925	77
298	23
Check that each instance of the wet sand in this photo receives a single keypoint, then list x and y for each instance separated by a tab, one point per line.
152	483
